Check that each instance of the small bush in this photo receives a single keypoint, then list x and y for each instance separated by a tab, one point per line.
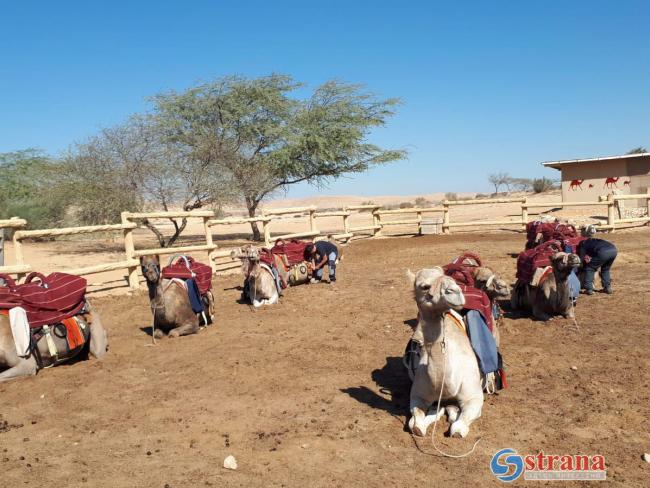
451	196
421	202
481	196
406	205
541	185
369	202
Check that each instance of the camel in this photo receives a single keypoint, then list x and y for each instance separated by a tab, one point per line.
170	304
17	366
552	296
260	284
611	182
494	287
449	369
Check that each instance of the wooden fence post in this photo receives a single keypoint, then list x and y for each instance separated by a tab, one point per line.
312	221
648	206
419	223
208	240
18	255
376	221
266	226
524	214
129	249
611	212
346	223
445	218
2	247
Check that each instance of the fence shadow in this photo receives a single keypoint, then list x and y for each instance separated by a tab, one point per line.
393	381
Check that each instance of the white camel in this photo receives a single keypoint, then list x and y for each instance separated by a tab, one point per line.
448	369
260	286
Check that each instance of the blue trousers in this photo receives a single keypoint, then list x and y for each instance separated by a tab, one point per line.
331	265
603	260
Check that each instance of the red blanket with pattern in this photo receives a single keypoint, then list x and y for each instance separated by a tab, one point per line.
46	299
294	250
476	299
185	268
537	257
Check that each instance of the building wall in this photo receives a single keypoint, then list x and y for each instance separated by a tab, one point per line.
587	181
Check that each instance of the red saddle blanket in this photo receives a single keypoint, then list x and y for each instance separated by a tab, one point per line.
185	268
46	299
476	299
460	273
537	257
294	250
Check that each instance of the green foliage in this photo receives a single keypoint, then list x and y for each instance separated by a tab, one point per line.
31	188
541	185
637	150
262	137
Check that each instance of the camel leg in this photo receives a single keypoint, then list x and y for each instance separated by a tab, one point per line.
470	410
422	398
452	413
186	329
22	367
98	337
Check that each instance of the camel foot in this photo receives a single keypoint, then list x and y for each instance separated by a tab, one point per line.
158	334
459	429
173	333
453	413
419	428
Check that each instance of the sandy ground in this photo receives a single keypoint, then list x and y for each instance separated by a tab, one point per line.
311	392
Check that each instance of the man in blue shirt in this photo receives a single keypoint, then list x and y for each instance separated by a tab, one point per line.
323	253
601	255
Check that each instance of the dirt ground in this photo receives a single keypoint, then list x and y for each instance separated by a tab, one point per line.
311	392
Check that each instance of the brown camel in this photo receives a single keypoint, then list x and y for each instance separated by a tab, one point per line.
15	366
552	296
170	304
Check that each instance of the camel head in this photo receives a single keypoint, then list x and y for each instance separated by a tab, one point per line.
488	281
434	291
150	266
564	262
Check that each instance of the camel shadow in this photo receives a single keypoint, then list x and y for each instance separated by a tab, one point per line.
392	381
147	330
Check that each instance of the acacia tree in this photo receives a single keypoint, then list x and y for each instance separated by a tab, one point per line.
260	137
498	179
130	167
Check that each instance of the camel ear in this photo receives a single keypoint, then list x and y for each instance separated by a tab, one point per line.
410	276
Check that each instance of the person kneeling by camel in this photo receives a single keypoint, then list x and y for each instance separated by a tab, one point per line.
601	255
323	253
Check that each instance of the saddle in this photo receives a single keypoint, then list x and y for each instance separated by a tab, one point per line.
198	279
46	299
46	306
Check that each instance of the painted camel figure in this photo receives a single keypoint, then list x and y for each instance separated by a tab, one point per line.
611	182
575	184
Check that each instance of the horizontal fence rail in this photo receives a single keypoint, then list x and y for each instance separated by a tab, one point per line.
220	260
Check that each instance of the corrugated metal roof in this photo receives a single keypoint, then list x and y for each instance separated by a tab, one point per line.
558	164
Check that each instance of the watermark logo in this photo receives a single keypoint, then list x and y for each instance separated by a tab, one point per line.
508	466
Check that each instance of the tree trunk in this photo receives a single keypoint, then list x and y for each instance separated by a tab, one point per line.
251	205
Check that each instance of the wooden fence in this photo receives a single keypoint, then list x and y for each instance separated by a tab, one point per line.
379	219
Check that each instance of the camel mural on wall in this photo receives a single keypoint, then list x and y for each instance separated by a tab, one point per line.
611	182
575	184
627	182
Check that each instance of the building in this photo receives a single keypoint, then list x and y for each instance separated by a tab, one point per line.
585	180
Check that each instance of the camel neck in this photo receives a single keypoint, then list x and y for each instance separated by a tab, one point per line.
562	288
432	327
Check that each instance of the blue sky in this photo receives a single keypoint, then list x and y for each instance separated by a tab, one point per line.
487	85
